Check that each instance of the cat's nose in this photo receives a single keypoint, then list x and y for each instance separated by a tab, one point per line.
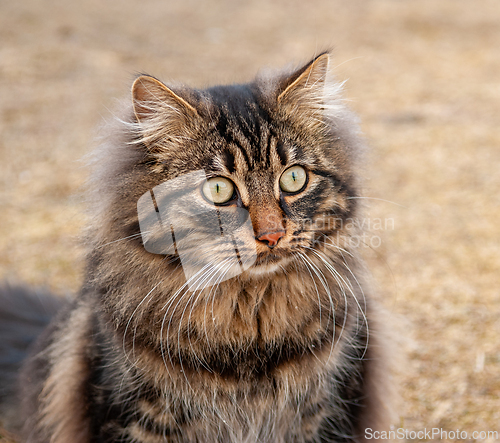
271	238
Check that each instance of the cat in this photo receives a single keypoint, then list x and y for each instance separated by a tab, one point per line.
223	300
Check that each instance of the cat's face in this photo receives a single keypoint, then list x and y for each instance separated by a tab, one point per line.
245	182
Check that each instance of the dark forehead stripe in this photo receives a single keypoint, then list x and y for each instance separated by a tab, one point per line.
270	138
243	122
282	153
249	125
227	133
228	160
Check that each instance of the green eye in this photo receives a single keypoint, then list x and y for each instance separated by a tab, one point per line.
293	179
218	190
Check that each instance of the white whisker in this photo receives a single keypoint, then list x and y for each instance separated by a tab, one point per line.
121	239
337	275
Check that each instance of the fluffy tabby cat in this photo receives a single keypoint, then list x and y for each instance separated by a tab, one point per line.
282	344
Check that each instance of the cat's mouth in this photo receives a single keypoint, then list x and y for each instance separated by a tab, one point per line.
269	262
269	257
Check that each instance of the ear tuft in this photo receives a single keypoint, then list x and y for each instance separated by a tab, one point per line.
151	96
164	117
302	94
307	81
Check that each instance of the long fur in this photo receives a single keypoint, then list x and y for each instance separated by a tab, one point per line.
290	350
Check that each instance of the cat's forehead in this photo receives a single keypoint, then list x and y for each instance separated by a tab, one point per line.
239	117
249	136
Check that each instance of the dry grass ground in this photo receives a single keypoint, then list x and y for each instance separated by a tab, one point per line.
424	77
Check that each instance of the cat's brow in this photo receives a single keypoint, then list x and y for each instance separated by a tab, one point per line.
228	133
228	160
282	153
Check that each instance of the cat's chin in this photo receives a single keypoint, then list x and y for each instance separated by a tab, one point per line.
267	268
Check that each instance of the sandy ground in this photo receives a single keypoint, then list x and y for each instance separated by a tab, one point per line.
424	78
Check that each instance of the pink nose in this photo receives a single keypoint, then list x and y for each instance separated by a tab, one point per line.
271	238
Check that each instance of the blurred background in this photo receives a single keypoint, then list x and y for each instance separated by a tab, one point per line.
422	75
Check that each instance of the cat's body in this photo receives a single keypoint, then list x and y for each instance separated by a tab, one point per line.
287	350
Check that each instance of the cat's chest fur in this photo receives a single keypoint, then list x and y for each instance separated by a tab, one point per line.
270	387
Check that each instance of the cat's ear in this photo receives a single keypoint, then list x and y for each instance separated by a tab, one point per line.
150	96
303	92
160	110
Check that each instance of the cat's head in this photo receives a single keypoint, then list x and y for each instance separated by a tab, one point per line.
240	180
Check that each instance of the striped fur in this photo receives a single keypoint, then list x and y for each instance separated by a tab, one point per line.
289	351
